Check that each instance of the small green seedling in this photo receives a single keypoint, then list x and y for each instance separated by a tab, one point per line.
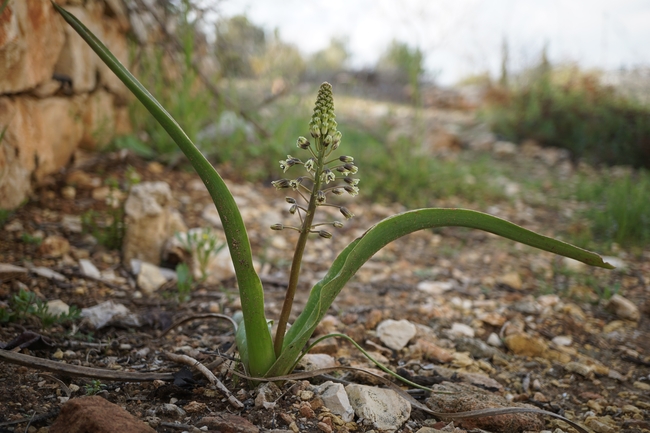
325	176
94	387
31	239
203	244
184	282
25	304
107	227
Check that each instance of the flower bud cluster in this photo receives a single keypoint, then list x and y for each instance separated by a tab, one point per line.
314	186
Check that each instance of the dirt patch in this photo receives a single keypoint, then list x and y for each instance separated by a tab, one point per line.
589	364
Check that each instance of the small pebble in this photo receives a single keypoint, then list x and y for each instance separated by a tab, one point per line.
494	340
460	329
68	192
306	395
562	340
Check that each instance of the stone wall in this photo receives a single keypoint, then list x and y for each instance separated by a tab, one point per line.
55	94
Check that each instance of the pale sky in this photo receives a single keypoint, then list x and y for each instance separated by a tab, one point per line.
461	37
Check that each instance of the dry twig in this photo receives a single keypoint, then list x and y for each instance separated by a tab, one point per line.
80	371
189	361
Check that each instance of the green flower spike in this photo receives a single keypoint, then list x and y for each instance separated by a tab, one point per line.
322	170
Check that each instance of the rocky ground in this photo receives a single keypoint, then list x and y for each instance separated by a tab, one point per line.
495	323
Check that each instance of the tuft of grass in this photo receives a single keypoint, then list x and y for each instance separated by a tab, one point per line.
170	75
582	286
30	239
617	208
400	175
108	228
184	282
5	214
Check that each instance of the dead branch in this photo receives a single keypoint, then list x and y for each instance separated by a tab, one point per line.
80	371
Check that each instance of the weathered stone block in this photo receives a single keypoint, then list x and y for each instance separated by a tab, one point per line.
150	221
98	120
40	138
31	38
114	38
77	60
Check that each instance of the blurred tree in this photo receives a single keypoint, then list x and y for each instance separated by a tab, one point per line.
402	61
331	59
503	80
237	42
278	60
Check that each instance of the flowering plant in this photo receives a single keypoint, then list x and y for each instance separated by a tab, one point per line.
325	175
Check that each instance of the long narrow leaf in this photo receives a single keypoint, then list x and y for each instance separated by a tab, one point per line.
260	346
386	231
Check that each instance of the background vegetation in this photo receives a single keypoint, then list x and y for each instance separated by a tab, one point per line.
244	111
570	109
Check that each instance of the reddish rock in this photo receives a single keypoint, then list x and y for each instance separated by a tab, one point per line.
54	246
227	423
31	37
117	9
123	124
430	351
41	136
113	37
99	120
77	60
96	415
526	345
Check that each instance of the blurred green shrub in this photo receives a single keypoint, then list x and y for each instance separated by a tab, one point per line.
572	110
331	59
169	74
617	208
107	227
237	42
406	63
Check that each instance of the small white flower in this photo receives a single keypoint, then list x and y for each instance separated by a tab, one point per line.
352	190
328	176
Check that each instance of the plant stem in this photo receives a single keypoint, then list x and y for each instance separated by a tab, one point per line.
298	253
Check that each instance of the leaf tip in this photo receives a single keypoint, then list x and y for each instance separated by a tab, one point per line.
608	265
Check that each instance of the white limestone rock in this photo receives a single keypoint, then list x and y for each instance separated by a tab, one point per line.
150	221
384	408
89	269
396	334
336	400
623	308
317	361
150	278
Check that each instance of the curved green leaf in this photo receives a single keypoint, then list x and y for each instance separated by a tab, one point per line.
260	345
386	231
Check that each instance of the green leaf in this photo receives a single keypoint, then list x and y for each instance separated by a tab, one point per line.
362	249
260	345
